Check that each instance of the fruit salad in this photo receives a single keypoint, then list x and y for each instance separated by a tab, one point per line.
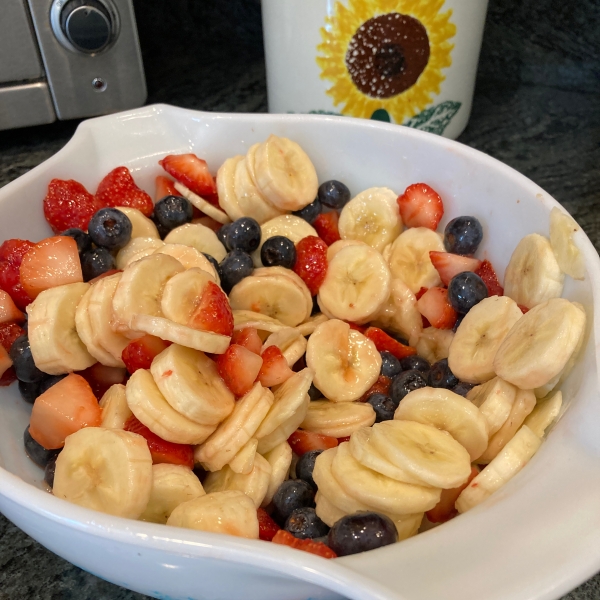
269	356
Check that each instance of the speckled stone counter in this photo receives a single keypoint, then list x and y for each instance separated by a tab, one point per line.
536	108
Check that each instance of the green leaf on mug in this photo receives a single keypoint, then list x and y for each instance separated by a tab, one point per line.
436	118
381	115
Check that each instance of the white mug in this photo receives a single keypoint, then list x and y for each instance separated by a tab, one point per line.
411	62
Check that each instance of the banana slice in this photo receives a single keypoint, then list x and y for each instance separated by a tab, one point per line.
357	284
428	453
115	410
150	407
568	256
409	258
105	469
328	512
236	430
198	236
202	205
135	249
540	343
249	318
290	341
308	327
544	414
478	337
280	459
337	246
495	400
141	225
285	176
515	455
55	345
182	295
190	383
345	362
337	419
172	485
371	217
449	412
533	275
190	258
226	188
243	462
434	344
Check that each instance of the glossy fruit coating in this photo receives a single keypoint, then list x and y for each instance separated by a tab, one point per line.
305	441
415	362
9	332
234	267
191	171
96	262
213	312
465	291
243	234
390	365
463	235
304	524
11	255
238	368
267	528
173	211
311	262
278	251
249	338
488	274
140	353
326	225
311	211
110	228
119	189
83	240
385	343
420	206
222	234
23	363
383	406
360	532
381	386
441	376
436	308
37	453
100	377
405	383
290	495
334	194
275	369
306	465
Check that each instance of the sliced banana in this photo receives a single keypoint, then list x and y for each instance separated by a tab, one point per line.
280	459
202	205
290	341
371	217
115	410
141	225
478	337
226	188
337	246
568	256
249	318
495	400
198	236
544	414
243	462
328	512
137	248
182	295
308	327
105	469
540	343
337	419
345	362
434	344
172	485
533	275
189	257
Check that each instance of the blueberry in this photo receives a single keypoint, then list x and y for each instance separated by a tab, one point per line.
334	194
213	261
458	322
406	382
222	234
311	211
84	241
278	251
110	228
290	495
463	235
415	362
243	234
390	365
20	354
36	452
163	231
383	406
47	383
463	388
304	524
95	262
234	267
465	290
305	467
360	532
173	211
50	469
314	393
29	391
441	376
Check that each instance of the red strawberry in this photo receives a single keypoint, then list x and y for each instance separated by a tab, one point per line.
267	528
212	199
434	306
239	368
523	308
359	328
213	312
341	440
304	441
161	450
487	273
164	187
249	338
101	377
8	310
140	353
421	206
420	292
448	265
385	343
68	204
191	171
326	225
319	548
444	510
311	262
9	332
381	386
8	377
274	369
119	189
11	256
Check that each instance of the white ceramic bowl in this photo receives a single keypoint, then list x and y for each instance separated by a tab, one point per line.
536	538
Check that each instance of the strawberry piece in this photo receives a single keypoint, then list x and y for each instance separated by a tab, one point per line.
421	206
213	199
267	528
68	204
326	225
249	338
50	263
8	377
381	386
140	353
341	440
9	332
161	450
434	306
359	328
164	187
191	171
213	312
5	361
385	343
487	273
304	441
63	409
8	309
448	265
119	189
444	510
274	369
523	308
311	262
239	368
100	377
420	292
11	256
285	538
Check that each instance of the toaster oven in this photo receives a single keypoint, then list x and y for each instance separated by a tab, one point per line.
67	59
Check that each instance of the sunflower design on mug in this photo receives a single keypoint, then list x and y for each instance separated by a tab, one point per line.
385	55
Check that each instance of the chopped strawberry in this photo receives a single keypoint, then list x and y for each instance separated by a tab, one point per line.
213	312
8	309
434	306
385	343
164	187
421	206
5	361
161	450
50	263
140	353
326	225
285	538
381	386
249	338
267	528
487	273
304	441
212	199
311	262
523	308
420	292
359	328
448	265
68	204
101	377
63	409
11	255
239	368
8	377
191	171
274	369
341	440
9	332
119	189
444	510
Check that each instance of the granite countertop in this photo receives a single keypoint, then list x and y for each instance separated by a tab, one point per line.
536	108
